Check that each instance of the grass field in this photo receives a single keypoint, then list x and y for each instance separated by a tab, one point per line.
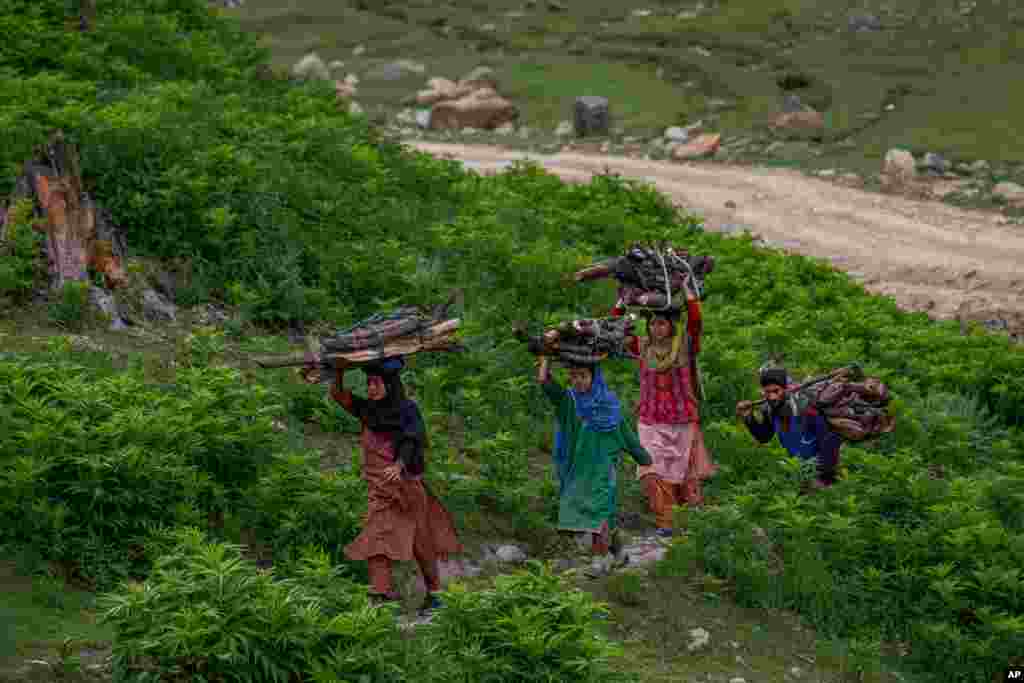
937	76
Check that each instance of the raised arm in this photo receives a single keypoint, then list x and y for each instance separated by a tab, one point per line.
352	404
762	430
694	319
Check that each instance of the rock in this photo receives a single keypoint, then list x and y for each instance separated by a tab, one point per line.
422	118
827	173
864	22
488	27
406	116
698	638
796	672
564	129
352	80
358	50
525	132
804	118
510	554
354	109
166	283
700	146
591	116
890	107
483	109
677	134
105	303
687	15
642	13
395	70
1011	192
792	103
899	164
703	52
482	74
737	679
979	166
155	307
336	64
934	163
311	67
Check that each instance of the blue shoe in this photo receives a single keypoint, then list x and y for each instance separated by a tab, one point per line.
431	604
664	533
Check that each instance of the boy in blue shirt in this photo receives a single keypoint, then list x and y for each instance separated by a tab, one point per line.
805	435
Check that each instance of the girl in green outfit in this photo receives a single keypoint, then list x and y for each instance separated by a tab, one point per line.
591	434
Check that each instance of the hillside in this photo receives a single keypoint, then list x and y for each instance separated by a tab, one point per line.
168	505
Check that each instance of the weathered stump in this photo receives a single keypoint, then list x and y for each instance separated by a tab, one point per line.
79	235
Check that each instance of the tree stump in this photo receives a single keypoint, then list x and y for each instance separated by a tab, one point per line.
79	235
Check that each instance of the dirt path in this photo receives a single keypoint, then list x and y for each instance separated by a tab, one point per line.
928	256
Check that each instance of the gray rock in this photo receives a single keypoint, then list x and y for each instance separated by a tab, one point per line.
677	134
792	103
166	283
311	67
934	163
864	22
510	554
355	109
394	71
699	638
105	303
591	116
156	307
422	118
564	129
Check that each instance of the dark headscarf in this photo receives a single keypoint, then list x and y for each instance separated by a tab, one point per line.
777	376
396	414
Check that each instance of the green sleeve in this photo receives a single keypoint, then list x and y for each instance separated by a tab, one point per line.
554	391
633	445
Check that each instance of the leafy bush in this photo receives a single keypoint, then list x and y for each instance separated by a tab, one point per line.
93	464
70	308
20	253
206	612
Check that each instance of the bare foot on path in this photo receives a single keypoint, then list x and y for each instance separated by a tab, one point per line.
928	256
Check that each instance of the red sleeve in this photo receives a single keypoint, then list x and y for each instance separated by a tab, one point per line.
345	398
633	344
694	324
618	311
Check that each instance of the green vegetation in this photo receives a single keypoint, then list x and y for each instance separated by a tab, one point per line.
142	477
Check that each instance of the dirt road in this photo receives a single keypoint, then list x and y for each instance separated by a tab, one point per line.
928	256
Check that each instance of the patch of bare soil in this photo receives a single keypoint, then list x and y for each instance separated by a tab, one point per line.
928	256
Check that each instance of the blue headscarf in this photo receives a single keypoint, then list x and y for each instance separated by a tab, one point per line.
599	407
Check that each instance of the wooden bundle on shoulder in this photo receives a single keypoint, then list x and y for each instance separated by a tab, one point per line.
586	340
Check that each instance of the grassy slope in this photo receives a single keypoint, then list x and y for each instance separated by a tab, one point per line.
501	229
947	70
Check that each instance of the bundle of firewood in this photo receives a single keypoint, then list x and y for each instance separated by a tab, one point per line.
587	340
652	277
403	332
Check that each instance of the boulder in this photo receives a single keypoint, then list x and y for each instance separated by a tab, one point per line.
483	109
311	67
591	116
808	119
864	22
677	134
934	163
156	307
564	129
899	164
1011	192
700	146
510	554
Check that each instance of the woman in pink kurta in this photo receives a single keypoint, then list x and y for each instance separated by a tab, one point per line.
667	415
